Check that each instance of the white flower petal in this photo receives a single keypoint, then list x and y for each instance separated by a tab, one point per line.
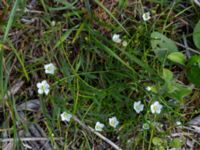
46	91
39	85
40	91
44	82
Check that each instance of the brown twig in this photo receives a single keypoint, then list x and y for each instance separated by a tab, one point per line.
197	2
96	133
30	139
15	88
191	49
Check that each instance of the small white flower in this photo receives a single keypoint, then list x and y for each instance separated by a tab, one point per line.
43	87
53	23
116	38
156	107
65	116
145	126
138	106
113	122
146	16
148	88
99	126
178	123
124	43
50	68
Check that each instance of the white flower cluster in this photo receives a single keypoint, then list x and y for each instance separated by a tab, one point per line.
44	87
113	122
156	107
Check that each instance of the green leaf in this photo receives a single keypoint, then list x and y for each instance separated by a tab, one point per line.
177	57
167	75
161	45
196	35
176	143
157	141
179	91
193	70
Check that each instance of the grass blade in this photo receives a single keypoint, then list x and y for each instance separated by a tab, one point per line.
111	15
64	37
9	24
110	52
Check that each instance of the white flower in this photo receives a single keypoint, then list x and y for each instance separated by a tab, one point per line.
49	68
124	43
113	122
116	38
43	87
178	123
156	107
99	126
65	116
53	23
148	88
138	106
146	16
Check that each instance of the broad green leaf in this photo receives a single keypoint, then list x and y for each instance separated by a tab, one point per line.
196	35
161	45
179	91
193	70
167	75
176	143
157	141
177	57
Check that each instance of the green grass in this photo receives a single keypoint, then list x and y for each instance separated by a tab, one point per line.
96	78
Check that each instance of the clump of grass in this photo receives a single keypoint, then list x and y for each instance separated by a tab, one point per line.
71	70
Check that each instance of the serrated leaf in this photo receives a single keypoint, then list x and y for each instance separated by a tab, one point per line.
162	45
193	70
177	57
196	35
